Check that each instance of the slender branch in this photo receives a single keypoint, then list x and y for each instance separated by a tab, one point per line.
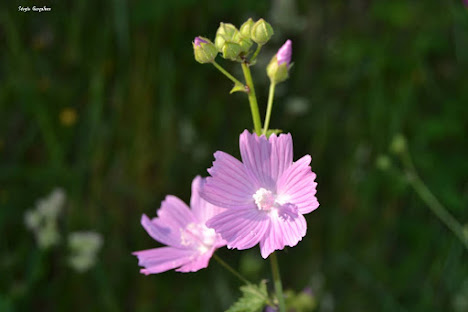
231	269
271	95
227	74
277	280
252	98
239	276
432	202
254	56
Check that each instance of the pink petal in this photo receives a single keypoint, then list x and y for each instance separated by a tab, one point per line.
202	210
241	228
287	228
174	214
256	152
281	154
198	263
230	185
162	259
163	234
297	184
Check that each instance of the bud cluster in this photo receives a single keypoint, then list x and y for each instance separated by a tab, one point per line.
232	43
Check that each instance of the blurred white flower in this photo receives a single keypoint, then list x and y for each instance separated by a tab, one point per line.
84	247
51	206
42	220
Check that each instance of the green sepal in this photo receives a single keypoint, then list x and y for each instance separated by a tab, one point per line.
273	131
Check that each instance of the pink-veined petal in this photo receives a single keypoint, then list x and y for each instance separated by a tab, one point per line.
230	185
241	228
163	234
287	228
256	152
202	209
174	213
200	262
162	259
297	185
281	154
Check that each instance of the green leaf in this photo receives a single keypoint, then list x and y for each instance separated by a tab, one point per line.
238	88
254	298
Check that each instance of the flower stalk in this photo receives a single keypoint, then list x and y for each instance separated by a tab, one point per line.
252	98
271	95
231	269
277	281
237	84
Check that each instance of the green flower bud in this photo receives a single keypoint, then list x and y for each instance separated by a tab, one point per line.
244	42
277	72
225	32
231	50
261	32
246	28
279	65
204	50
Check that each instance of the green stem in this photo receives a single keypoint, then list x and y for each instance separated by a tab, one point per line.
239	276
271	95
425	194
225	72
254	56
252	98
230	269
277	280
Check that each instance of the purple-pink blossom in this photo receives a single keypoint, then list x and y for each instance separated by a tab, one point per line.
190	243
266	195
284	53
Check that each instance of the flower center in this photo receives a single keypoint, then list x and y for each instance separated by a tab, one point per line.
198	236
264	199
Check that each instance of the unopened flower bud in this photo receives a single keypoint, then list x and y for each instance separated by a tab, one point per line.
244	42
246	28
204	50
284	53
225	32
261	32
231	50
278	68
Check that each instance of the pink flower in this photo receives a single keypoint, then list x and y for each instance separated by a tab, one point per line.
265	195
190	242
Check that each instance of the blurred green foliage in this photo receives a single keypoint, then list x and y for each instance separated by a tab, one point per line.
105	100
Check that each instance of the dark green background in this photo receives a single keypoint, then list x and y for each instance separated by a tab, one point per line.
150	117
